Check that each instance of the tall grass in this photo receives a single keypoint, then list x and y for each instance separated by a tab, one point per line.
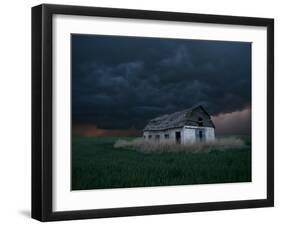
96	164
221	144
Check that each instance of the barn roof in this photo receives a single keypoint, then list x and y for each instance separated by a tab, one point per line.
177	119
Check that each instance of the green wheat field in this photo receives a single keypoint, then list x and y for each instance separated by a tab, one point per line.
96	164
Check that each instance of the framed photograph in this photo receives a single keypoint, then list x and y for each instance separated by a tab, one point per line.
145	112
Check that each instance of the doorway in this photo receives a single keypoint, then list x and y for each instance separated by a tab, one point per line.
178	137
200	135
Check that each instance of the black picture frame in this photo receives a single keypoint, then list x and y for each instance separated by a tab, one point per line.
42	111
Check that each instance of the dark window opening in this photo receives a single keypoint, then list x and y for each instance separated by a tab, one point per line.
200	135
178	137
166	136
157	137
149	136
200	121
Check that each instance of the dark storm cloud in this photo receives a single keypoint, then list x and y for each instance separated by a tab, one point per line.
122	82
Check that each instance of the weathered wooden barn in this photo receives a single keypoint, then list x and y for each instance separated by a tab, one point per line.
183	127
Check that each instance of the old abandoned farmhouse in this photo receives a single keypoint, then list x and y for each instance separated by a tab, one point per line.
187	126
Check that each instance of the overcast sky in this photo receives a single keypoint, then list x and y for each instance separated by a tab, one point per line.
119	83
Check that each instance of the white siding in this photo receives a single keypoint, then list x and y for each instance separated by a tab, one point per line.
145	135
210	134
171	135
188	134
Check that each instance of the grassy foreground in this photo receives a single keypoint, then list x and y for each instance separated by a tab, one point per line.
96	164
